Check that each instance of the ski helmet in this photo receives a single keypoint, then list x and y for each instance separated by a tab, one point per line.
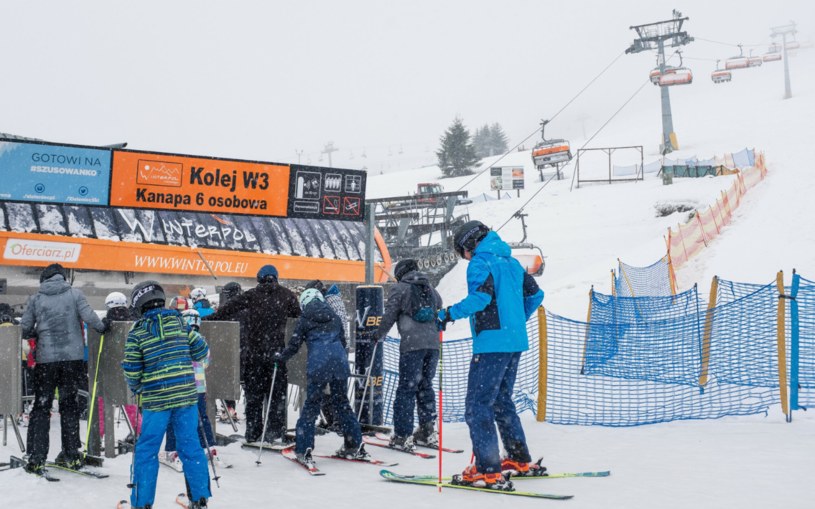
468	235
198	294
267	271
191	317
231	290
52	270
403	267
316	284
179	303
115	300
309	295
147	295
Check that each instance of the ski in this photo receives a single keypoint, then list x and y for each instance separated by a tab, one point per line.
424	455
20	463
393	477
291	456
276	446
370	461
557	475
181	499
383	436
81	471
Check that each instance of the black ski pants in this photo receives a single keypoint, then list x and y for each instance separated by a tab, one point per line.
257	384
67	376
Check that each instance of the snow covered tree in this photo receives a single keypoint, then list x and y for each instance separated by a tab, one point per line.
481	141
497	140
457	154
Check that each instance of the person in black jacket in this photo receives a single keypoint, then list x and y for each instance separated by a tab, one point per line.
327	363
267	307
412	305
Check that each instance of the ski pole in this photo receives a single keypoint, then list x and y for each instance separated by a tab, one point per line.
93	394
133	485
266	415
229	417
441	367
203	432
365	389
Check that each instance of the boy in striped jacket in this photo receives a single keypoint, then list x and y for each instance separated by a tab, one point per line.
159	352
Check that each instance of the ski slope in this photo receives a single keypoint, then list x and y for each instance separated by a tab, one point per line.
746	462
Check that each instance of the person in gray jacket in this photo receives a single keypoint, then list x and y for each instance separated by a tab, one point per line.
54	315
410	303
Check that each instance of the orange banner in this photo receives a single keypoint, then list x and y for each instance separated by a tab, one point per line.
198	184
38	250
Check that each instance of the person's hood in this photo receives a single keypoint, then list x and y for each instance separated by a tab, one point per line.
202	304
493	245
318	311
414	277
54	285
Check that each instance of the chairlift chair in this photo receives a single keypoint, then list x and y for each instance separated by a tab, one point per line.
754	61
529	256
679	76
771	57
721	76
737	62
550	152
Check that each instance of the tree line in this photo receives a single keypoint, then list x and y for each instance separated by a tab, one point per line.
460	151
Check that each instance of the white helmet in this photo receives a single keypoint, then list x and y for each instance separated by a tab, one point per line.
309	295
191	317
198	294
115	300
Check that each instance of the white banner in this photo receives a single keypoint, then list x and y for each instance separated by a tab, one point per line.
39	250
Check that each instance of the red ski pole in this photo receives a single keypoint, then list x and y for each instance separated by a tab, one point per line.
441	435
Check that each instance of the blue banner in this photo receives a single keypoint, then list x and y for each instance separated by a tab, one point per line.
46	173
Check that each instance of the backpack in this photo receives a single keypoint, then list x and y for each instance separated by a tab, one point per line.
421	305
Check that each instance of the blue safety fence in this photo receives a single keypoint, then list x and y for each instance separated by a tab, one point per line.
643	360
653	280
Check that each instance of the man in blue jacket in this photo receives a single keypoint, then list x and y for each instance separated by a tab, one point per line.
501	297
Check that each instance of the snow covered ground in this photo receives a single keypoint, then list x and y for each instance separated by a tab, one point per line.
746	462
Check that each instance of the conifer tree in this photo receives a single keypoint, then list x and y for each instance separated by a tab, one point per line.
456	155
497	140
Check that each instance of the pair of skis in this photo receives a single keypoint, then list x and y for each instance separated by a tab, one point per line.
46	474
312	469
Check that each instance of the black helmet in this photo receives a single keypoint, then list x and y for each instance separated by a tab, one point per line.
403	267
317	284
231	290
147	295
51	271
468	235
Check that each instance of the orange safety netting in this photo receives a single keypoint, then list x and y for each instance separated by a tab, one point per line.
688	239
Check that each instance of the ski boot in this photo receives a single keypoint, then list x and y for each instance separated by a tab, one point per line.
198	505
523	468
70	459
492	481
353	453
402	443
306	459
34	466
171	459
216	459
426	436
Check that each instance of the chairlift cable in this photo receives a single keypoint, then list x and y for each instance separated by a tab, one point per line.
536	131
584	146
729	43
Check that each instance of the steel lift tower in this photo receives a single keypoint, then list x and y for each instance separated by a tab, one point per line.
783	32
656	36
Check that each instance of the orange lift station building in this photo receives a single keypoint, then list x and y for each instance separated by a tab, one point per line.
118	216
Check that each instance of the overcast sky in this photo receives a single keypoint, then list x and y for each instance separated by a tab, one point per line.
263	80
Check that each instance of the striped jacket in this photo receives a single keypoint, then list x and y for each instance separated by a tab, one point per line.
158	360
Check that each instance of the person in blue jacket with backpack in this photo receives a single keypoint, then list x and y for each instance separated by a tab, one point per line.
501	297
412	305
327	363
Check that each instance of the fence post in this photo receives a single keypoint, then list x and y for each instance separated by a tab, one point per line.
782	345
795	342
708	332
588	329
543	363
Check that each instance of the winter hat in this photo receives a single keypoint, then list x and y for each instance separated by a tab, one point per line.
468	235
267	271
115	300
316	283
309	295
51	271
403	267
147	295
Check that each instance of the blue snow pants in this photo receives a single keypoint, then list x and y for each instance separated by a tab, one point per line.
311	410
145	463
489	402
169	443
415	390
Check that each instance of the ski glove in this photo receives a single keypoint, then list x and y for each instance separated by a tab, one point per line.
443	318
106	325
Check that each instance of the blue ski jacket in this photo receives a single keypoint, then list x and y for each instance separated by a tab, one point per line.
323	332
501	298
